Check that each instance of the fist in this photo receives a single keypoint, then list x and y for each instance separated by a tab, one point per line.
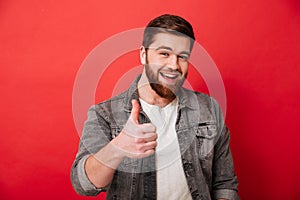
136	140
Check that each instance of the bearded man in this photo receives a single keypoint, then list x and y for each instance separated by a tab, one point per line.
157	140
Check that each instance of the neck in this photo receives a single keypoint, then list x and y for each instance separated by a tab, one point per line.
149	95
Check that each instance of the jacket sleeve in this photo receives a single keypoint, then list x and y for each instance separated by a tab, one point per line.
95	135
224	178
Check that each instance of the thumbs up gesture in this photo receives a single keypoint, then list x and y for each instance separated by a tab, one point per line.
136	140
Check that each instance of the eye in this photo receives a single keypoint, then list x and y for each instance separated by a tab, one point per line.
164	53
183	57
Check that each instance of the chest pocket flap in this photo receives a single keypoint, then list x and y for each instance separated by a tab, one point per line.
206	130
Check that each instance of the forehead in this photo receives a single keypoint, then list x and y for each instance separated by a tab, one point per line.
175	42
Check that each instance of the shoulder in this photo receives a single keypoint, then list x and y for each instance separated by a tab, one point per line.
203	106
116	102
112	111
199	97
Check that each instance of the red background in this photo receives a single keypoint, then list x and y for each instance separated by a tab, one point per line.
254	43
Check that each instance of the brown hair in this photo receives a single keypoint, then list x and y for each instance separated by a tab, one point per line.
168	24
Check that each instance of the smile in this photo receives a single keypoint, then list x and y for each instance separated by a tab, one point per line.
169	75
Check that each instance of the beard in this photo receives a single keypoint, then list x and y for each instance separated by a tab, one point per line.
163	90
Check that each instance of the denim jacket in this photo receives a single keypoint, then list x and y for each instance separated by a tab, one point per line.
203	141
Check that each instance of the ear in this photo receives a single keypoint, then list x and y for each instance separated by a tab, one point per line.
143	55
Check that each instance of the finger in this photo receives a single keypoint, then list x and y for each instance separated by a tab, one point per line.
151	145
147	153
144	154
146	146
148	128
146	137
152	137
135	111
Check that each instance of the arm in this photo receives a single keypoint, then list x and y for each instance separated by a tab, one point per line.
224	179
100	167
95	136
98	157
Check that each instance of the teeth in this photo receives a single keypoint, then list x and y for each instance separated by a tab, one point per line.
169	75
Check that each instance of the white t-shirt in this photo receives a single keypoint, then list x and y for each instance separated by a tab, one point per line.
171	181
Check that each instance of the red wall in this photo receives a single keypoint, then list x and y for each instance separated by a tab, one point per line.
254	43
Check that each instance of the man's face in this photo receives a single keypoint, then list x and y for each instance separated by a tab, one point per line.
166	63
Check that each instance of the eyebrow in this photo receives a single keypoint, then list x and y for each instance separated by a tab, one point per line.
170	49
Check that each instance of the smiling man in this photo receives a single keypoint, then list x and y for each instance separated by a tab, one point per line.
157	140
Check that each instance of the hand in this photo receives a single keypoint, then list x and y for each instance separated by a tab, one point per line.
136	140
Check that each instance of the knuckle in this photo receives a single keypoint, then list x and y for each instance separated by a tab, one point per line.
139	147
155	144
152	137
154	128
149	127
138	140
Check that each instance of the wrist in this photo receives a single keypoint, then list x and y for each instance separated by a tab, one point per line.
110	155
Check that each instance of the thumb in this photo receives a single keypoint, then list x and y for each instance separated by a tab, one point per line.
135	112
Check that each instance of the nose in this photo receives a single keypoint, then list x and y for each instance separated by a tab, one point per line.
173	62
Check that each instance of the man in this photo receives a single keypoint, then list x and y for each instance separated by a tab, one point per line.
157	140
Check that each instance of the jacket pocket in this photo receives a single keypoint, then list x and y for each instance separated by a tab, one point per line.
206	134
